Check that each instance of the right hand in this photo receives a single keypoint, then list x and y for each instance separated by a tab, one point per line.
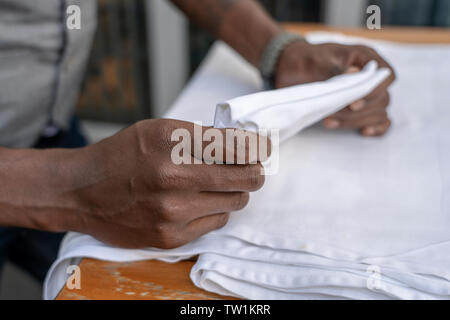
129	193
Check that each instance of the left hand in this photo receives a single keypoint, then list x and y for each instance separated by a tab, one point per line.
302	62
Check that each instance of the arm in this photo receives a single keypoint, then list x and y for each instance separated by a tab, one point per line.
234	21
32	189
125	190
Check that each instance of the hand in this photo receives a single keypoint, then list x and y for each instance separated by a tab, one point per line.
130	194
302	62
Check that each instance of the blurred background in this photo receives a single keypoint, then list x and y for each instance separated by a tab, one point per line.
145	52
122	85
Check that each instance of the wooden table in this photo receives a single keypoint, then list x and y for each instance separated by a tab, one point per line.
154	280
145	280
397	34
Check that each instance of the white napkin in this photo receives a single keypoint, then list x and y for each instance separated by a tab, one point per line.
345	217
294	108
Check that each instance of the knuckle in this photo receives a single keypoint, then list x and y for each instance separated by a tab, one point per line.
154	137
142	136
166	210
244	199
367	50
159	178
143	125
223	220
372	51
368	53
171	243
161	134
386	99
360	47
167	238
241	200
394	75
162	231
163	177
254	176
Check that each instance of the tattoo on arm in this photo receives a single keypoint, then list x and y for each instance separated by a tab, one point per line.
207	14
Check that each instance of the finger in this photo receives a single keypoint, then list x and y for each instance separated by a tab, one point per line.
201	226
369	120
379	102
209	177
202	204
218	202
221	145
226	178
365	117
358	105
381	89
376	130
361	55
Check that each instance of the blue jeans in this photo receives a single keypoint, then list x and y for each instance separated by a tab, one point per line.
33	250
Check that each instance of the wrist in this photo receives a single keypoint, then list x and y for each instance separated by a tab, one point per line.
293	61
34	194
273	53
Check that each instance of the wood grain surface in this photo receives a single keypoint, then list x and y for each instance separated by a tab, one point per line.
145	280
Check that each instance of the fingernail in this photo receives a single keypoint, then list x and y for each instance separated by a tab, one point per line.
331	123
369	131
352	69
357	105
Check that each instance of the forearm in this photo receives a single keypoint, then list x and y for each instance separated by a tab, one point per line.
33	189
243	24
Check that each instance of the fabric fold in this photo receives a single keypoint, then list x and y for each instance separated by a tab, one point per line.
294	108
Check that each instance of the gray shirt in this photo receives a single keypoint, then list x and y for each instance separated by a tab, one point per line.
41	66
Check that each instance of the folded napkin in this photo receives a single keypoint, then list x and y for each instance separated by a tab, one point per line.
346	217
294	108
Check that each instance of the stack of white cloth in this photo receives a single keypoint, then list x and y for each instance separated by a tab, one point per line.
346	217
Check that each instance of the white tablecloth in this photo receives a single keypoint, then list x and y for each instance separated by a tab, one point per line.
345	216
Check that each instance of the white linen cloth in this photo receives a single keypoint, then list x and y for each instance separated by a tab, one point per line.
292	109
341	207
